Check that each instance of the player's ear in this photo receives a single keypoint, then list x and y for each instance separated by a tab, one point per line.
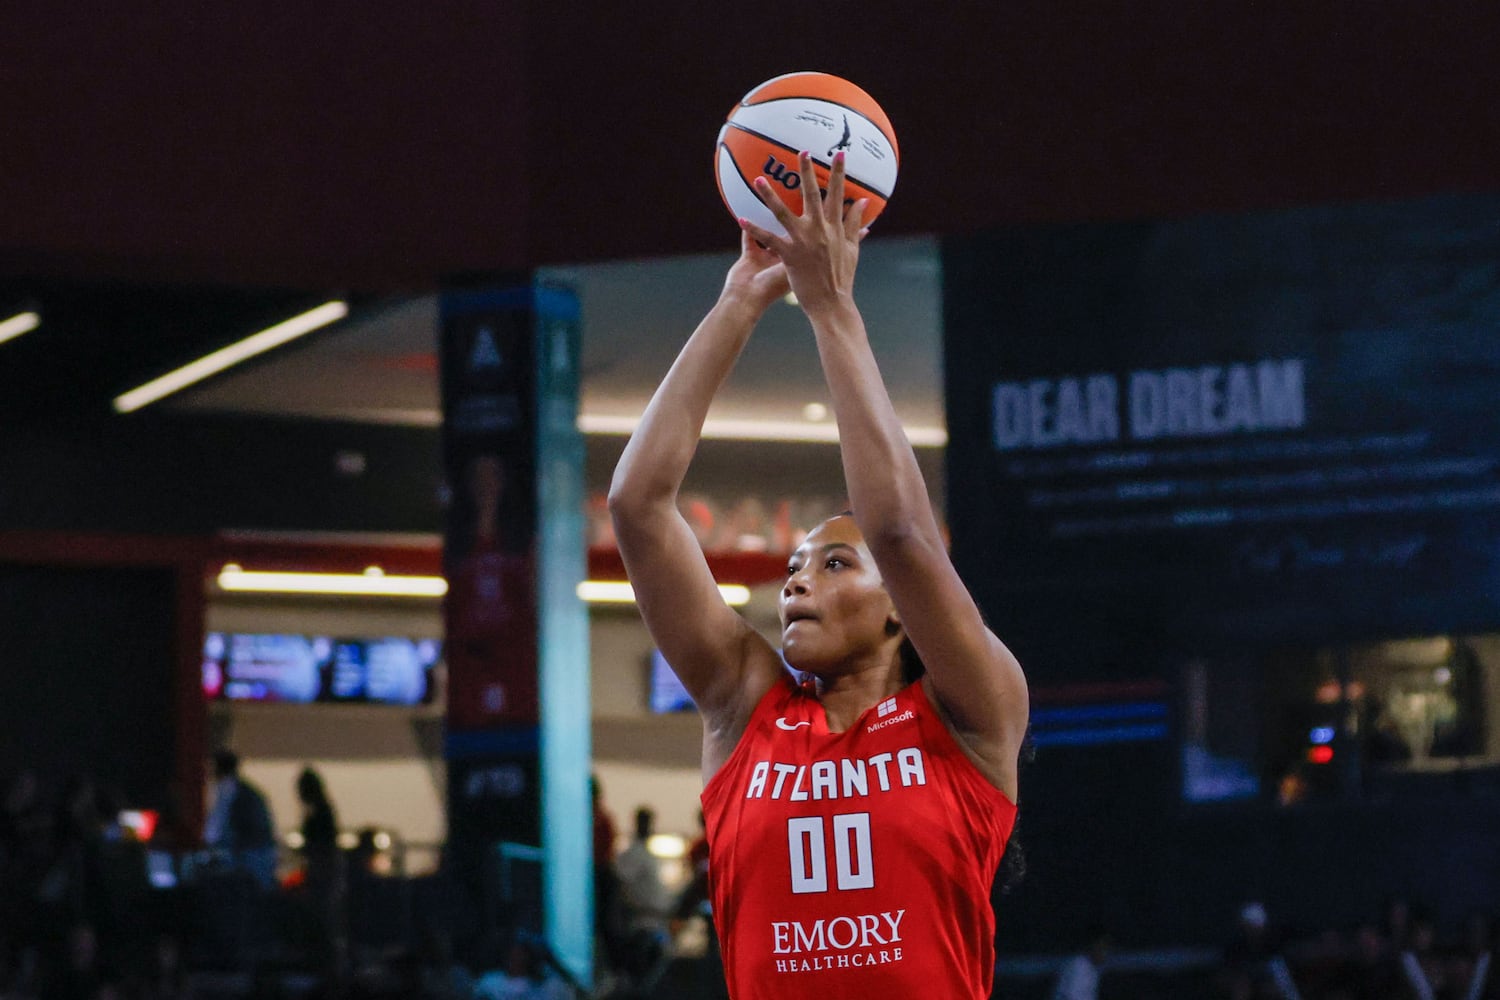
892	623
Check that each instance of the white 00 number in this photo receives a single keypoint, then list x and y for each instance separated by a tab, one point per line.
853	866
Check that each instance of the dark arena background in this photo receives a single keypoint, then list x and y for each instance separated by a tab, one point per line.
1216	296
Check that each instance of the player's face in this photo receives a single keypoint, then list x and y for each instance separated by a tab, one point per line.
834	607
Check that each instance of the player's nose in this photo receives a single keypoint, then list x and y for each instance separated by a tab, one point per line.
796	585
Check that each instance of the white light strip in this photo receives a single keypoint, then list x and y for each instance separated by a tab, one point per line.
354	584
18	324
724	430
227	357
620	592
761	430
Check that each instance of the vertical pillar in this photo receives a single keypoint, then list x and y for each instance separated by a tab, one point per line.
567	809
517	741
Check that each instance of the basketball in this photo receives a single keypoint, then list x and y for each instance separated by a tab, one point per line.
817	112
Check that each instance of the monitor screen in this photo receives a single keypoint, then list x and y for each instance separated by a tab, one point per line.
302	669
666	693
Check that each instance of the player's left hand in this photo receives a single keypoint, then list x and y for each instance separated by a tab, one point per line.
821	248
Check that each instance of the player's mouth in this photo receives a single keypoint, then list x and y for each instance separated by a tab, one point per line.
795	615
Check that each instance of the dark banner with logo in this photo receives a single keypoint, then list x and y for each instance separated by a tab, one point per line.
1254	428
489	444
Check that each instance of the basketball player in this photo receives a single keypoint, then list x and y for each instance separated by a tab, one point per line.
855	818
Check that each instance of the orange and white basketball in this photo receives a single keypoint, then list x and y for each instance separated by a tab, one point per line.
817	112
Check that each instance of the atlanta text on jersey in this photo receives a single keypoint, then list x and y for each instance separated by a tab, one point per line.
846	777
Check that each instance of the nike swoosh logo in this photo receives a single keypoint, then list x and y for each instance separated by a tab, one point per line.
790	727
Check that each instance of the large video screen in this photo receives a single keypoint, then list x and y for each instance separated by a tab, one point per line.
303	669
1269	427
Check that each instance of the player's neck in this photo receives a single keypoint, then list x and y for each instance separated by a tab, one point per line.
846	697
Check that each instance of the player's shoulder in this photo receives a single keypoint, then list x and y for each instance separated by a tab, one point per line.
731	728
781	690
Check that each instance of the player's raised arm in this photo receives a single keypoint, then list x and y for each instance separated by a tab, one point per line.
724	664
973	677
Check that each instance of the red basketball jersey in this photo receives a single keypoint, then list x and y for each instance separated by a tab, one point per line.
854	864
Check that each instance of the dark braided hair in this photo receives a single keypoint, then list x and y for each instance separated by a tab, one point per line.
912	667
1013	861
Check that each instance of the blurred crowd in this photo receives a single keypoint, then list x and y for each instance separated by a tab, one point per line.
1399	954
74	900
98	904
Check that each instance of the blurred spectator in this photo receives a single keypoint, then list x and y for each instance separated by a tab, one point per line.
526	975
321	862
604	831
442	976
80	975
609	922
24	820
646	907
694	898
1369	970
1469	966
323	875
1423	969
25	850
320	826
641	887
167	978
70	901
1395	923
1320	964
1079	978
239	823
1254	968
